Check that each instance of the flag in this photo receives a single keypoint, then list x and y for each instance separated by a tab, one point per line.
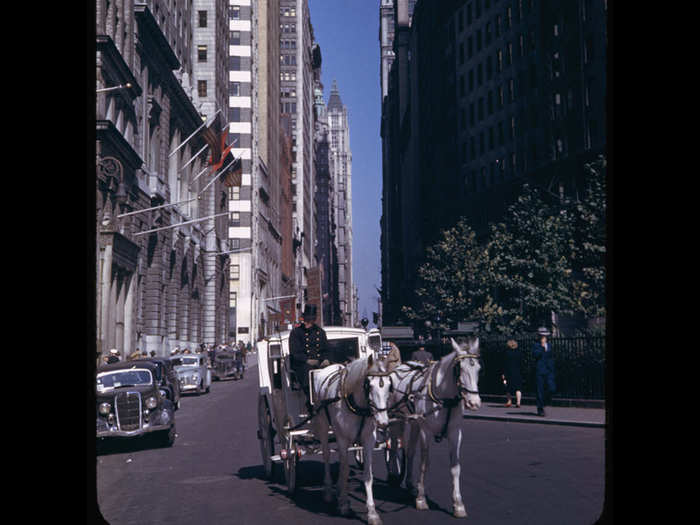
215	138
234	173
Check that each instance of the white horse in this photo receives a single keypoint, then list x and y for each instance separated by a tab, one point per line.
350	400
430	397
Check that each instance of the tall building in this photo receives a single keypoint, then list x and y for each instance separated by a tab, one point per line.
266	220
159	279
240	199
482	97
326	250
341	168
296	100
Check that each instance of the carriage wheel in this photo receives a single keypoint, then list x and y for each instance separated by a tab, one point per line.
290	468
265	429
396	467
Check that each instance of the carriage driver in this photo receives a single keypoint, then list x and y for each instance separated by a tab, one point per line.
308	347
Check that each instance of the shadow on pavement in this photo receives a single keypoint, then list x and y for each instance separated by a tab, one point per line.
123	445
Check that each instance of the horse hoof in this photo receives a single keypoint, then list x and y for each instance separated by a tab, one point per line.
421	504
459	511
374	519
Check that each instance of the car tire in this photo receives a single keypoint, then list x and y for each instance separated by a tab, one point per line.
167	437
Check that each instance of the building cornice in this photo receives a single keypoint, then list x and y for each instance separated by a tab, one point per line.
114	62
106	131
149	27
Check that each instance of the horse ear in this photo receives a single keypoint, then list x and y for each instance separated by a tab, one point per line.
455	345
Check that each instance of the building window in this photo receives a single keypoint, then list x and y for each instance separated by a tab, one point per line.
236	89
461	53
481	109
521	43
478	9
202	88
500	134
512	128
489	103
471	81
232	299
235	219
469	15
235	63
234	194
509	55
461	85
509	17
490	138
235	114
478	40
511	90
470	46
235	38
235	12
489	67
487	36
235	272
480	74
481	143
497	26
202	18
201	53
499	60
471	114
501	102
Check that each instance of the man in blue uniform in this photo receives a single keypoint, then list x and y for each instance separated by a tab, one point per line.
544	369
308	347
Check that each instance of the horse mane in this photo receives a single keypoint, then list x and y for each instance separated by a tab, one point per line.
356	373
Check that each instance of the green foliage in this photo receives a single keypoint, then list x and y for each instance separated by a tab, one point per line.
544	256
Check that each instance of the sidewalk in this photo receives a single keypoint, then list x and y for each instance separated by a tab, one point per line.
494	409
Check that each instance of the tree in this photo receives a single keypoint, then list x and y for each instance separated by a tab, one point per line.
451	281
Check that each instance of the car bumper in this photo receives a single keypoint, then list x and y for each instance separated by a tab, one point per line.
164	421
188	388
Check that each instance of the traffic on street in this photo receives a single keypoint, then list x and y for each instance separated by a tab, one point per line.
213	473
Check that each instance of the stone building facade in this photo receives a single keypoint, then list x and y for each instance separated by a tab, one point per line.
483	97
153	290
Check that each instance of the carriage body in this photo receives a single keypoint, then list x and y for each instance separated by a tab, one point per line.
283	430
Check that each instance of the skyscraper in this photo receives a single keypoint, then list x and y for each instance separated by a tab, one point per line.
240	200
341	169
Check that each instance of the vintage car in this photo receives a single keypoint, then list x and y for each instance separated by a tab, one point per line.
226	365
192	372
130	403
167	378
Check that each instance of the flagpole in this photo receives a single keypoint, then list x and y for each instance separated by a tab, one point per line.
154	208
232	251
194	157
194	133
104	90
219	175
181	223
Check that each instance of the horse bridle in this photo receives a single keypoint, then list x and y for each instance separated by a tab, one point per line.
460	387
374	408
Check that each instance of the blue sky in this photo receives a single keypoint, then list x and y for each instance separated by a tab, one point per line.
348	33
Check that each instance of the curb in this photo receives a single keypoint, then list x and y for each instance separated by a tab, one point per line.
537	420
555	402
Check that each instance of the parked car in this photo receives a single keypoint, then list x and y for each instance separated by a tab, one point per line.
225	366
167	378
192	372
130	403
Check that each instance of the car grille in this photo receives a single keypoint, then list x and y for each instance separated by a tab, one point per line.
189	380
128	406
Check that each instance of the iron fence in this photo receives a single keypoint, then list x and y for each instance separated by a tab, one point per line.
579	366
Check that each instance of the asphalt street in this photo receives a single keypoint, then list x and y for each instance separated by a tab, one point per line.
512	473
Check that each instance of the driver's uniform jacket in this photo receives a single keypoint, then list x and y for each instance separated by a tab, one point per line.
306	343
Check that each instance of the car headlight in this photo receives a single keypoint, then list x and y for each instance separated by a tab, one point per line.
151	402
105	408
195	377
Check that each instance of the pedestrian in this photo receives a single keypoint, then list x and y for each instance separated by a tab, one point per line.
153	353
113	356
511	374
544	370
393	358
308	348
421	355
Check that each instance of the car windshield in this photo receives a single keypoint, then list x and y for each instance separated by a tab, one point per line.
190	361
342	350
110	380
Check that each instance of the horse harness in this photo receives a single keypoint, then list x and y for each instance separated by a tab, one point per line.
441	403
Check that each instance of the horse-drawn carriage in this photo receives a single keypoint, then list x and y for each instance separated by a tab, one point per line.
362	406
283	417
